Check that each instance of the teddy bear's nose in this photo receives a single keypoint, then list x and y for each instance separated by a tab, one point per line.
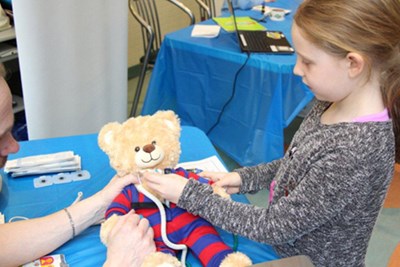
149	148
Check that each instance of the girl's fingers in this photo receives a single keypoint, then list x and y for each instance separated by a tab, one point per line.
213	176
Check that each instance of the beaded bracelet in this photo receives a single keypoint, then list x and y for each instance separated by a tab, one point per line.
71	222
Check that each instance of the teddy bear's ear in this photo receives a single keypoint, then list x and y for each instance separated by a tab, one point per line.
170	119
107	135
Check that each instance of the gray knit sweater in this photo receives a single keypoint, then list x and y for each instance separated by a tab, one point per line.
330	186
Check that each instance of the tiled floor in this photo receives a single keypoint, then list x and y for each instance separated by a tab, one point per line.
386	234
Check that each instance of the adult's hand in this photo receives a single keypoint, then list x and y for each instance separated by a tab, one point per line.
129	241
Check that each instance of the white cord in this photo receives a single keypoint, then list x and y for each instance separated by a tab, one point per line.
78	198
18	218
182	247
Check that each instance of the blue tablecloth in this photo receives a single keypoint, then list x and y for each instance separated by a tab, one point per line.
19	197
194	77
6	4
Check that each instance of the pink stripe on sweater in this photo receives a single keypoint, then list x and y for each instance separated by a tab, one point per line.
381	116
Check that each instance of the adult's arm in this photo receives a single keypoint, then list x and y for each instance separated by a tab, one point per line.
25	241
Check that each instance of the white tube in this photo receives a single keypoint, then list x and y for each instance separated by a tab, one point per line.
164	236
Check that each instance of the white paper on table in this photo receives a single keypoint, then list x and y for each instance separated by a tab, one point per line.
37	160
208	31
208	164
44	163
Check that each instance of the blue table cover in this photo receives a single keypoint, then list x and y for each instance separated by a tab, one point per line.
194	77
6	4
19	197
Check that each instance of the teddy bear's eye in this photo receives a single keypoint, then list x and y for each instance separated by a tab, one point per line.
154	142
137	149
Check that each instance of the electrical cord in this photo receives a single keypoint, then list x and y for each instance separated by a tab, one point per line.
16	218
231	97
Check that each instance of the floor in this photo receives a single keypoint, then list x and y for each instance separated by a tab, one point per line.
386	234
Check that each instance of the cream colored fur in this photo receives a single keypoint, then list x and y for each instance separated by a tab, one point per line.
236	259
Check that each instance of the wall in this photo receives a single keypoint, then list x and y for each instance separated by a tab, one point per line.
72	58
172	19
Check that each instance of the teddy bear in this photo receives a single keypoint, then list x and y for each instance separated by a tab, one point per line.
151	143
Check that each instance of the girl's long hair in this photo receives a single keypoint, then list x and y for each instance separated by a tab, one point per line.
368	27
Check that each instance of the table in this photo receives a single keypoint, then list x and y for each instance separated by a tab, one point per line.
298	261
19	197
194	77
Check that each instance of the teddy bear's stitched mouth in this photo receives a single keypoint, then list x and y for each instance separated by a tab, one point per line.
151	159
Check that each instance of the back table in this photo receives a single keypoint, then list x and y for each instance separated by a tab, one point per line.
195	78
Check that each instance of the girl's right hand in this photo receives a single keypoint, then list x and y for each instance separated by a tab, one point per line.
231	181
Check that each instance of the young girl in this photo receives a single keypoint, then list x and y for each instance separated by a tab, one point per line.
326	193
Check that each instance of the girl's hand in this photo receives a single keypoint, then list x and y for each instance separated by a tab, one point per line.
168	186
231	181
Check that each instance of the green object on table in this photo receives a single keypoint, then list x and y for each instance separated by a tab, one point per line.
243	24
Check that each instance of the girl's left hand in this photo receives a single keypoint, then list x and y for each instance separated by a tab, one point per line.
168	186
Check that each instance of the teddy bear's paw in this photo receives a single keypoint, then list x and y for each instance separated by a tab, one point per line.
106	227
220	191
236	259
159	259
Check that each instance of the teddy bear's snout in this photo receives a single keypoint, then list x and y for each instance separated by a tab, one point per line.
149	148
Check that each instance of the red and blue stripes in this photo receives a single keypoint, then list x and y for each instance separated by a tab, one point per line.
182	227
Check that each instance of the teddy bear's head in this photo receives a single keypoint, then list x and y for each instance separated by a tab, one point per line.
142	143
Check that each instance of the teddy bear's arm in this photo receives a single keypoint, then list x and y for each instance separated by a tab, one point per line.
122	203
